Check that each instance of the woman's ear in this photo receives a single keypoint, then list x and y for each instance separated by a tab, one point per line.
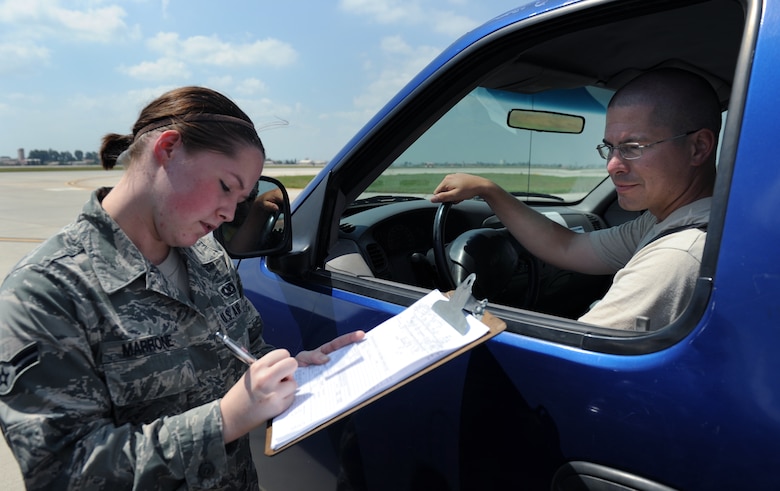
166	144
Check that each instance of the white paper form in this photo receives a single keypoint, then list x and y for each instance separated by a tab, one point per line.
394	350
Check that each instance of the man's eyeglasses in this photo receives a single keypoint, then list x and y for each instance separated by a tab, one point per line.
632	151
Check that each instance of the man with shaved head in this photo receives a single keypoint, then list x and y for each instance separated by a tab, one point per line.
659	143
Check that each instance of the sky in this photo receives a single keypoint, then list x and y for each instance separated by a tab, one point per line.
310	73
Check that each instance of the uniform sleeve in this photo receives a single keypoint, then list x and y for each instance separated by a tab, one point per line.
657	283
56	410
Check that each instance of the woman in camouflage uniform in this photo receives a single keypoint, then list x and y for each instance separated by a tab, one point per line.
110	374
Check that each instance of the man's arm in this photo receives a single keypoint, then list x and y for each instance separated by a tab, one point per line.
544	238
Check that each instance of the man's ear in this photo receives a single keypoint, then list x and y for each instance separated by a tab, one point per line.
704	145
166	144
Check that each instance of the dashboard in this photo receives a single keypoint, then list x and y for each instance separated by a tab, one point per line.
394	242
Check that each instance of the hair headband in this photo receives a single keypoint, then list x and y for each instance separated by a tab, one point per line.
194	118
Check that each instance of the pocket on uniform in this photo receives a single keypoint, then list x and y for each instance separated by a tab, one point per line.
149	377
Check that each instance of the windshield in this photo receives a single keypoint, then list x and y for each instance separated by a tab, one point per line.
475	136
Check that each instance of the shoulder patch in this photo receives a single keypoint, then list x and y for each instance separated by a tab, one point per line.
22	361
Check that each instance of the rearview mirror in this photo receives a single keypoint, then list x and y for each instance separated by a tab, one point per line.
527	119
261	225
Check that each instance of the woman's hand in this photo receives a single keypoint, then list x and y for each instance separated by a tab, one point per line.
320	355
264	391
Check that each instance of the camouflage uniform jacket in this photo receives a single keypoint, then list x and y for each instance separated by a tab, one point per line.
110	377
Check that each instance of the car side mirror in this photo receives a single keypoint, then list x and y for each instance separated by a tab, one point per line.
261	225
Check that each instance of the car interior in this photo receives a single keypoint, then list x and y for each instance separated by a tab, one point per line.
455	123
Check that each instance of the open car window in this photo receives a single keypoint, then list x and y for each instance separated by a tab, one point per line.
476	136
540	147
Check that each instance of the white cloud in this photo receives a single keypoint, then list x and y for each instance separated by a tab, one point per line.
395	45
396	65
163	42
264	110
211	50
76	121
232	87
220	81
412	12
15	11
21	57
94	24
141	97
385	11
22	98
401	62
250	86
451	24
165	4
49	18
159	70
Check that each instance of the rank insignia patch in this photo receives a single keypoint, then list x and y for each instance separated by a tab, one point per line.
22	361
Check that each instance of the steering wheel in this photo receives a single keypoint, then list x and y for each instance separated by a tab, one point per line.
493	254
266	231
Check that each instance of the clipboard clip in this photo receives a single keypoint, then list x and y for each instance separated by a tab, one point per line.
452	310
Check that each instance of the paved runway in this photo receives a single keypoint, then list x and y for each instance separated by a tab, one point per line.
33	207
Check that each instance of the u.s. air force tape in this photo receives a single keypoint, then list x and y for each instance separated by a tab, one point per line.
22	361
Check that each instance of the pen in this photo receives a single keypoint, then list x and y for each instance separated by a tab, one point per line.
238	351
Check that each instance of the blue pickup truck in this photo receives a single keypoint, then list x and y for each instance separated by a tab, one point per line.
550	403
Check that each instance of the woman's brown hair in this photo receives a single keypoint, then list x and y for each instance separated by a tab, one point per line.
206	120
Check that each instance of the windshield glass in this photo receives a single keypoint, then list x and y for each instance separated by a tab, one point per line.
475	137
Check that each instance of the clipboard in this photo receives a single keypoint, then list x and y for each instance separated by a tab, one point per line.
454	311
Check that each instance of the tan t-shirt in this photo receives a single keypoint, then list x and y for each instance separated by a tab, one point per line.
654	278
